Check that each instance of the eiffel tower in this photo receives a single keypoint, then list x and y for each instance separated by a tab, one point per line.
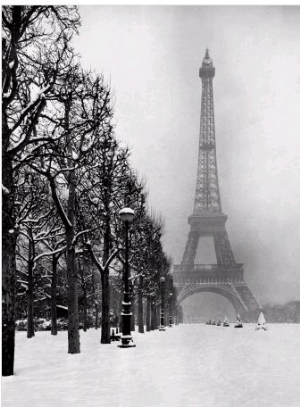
226	277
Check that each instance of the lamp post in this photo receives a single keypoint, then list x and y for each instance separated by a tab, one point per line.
162	311
126	215
171	309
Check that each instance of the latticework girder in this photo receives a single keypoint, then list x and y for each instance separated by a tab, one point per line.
191	248
207	197
223	249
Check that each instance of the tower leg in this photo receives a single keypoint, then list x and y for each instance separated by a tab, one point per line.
191	248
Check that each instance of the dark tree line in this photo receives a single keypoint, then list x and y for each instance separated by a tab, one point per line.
65	178
34	49
283	313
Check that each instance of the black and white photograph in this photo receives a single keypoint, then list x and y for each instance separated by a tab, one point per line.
150	205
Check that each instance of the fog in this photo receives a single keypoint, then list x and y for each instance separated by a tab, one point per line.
151	55
201	307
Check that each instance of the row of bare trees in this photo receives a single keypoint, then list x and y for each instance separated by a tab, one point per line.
65	177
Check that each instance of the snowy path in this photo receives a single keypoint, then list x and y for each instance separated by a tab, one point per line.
185	366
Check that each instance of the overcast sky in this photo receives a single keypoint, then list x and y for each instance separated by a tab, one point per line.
152	55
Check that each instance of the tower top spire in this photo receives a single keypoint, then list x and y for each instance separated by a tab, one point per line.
207	61
207	70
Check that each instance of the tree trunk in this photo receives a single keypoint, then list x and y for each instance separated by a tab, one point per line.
96	316
30	299
153	316
105	331
84	308
8	256
120	319
105	323
53	296
73	319
140	307
166	316
145	313
73	322
95	292
69	222
148	314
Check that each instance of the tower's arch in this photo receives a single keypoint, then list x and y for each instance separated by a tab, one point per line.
224	290
202	306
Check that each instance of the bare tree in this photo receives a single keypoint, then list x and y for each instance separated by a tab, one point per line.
85	268
54	246
77	119
35	42
35	228
149	262
100	199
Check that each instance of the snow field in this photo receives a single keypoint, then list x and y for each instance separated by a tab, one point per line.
184	366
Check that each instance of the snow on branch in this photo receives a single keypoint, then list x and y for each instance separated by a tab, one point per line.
21	271
87	278
28	108
60	208
49	253
23	282
110	259
95	260
43	298
5	190
62	307
79	234
67	169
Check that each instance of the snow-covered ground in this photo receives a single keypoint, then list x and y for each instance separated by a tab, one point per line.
187	365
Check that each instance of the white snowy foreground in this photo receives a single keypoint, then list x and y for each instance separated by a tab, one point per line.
185	366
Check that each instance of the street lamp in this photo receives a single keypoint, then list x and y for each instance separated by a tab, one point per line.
162	316
126	215
171	310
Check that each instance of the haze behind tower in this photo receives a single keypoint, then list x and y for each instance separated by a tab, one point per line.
152	55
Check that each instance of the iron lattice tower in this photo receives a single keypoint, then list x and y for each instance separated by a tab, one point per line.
225	277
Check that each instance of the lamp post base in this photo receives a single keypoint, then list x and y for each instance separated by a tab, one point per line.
127	343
